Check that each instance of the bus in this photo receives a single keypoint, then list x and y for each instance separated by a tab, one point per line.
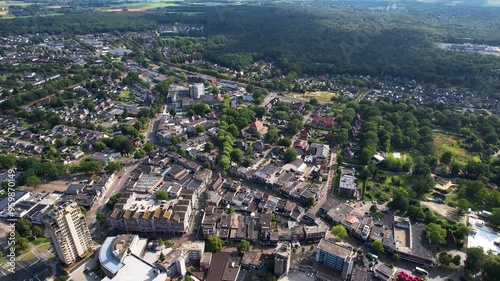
420	270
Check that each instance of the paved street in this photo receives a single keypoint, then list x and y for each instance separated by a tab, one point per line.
118	182
325	192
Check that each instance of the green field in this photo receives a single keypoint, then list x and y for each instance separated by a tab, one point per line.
448	143
39	241
126	96
27	257
43	247
321	96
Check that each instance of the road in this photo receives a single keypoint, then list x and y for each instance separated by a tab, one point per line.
118	182
325	192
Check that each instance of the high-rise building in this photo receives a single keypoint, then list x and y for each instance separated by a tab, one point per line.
335	256
197	90
70	234
282	258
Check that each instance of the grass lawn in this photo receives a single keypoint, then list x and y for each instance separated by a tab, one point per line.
43	247
126	96
321	96
39	240
27	257
448	143
450	198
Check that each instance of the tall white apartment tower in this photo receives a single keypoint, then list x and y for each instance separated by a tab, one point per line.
70	234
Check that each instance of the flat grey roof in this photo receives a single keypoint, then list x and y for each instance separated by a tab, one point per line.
334	248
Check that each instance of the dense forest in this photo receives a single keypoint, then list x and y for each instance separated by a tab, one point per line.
321	38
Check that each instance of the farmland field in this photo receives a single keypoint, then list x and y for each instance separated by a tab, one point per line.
145	5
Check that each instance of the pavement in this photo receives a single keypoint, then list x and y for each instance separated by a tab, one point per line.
325	191
118	182
79	275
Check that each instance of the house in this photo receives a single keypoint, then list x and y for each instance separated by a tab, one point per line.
301	146
320	153
326	122
258	146
77	154
256	126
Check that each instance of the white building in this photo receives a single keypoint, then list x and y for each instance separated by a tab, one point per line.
197	90
70	234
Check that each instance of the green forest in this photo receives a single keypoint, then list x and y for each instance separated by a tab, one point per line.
320	38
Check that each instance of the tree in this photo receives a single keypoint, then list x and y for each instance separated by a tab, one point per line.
311	201
289	155
83	210
395	258
446	158
314	102
33	181
37	231
23	227
208	147
243	246
456	260
148	147
139	154
99	146
495	217
378	247
339	232
172	111
161	195
100	216
463	205
435	233
373	209
462	231
113	166
475	260
231	210
214	244
491	268
444	259
200	129
286	142
271	136
237	154
400	201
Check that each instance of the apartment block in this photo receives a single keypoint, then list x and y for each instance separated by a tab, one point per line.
70	234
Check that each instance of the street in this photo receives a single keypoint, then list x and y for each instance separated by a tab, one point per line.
325	192
118	182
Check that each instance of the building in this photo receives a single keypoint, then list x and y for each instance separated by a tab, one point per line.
347	184
178	260
133	213
224	267
335	256
70	234
408	243
197	90
206	260
282	258
119	257
319	153
256	126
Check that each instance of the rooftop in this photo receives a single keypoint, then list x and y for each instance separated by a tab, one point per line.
334	248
